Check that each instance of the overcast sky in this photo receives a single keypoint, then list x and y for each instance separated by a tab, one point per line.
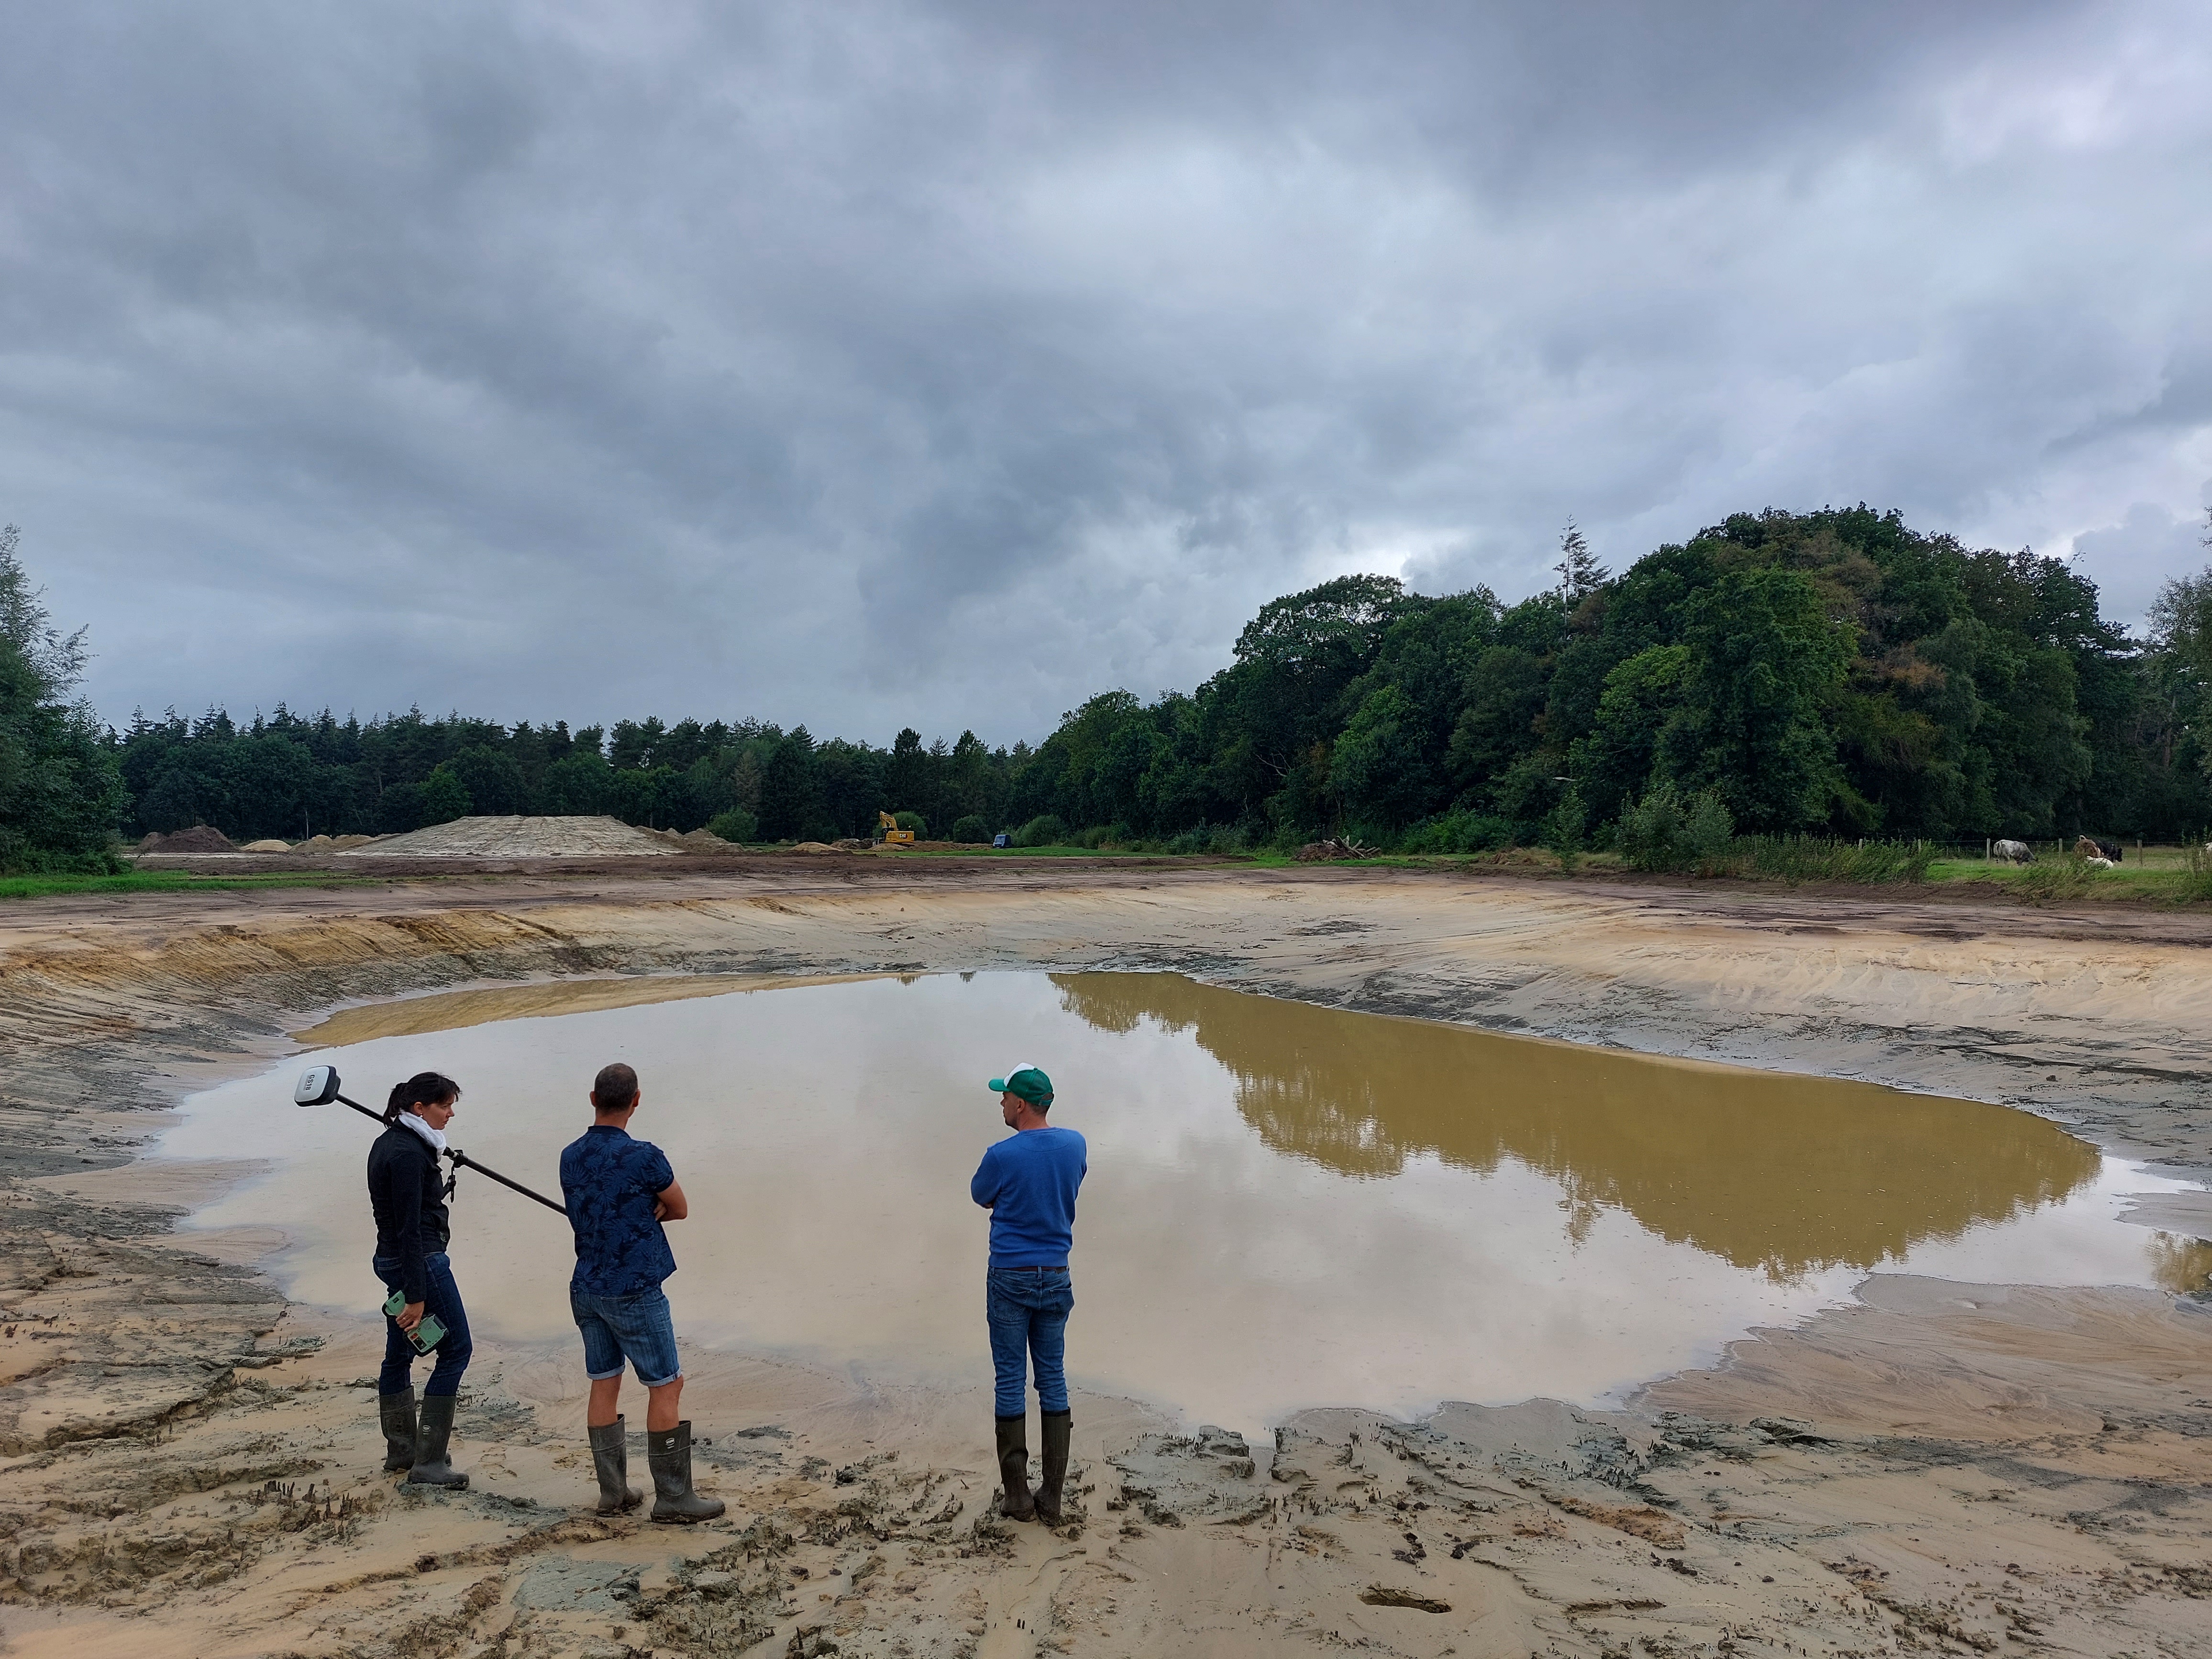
868	364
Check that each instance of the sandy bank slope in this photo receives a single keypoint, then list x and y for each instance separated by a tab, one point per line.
1909	1478
153	1422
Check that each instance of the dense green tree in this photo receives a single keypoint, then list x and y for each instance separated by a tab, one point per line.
1642	695
1378	769
791	807
577	784
445	796
61	791
907	776
1766	660
1502	704
494	780
2179	705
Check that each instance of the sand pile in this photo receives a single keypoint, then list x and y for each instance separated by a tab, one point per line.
332	843
519	838
198	839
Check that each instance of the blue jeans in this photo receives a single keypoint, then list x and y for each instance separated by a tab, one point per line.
1028	1308
638	1327
443	1297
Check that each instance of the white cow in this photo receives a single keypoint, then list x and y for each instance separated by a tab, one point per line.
2013	851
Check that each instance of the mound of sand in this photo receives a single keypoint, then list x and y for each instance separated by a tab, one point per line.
519	838
198	839
270	845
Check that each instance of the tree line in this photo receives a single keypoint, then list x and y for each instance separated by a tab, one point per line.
1832	673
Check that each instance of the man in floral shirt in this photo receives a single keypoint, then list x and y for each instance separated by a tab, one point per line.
619	1191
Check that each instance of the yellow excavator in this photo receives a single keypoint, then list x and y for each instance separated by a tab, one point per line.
893	835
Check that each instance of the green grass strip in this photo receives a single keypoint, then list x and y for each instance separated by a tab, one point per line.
165	881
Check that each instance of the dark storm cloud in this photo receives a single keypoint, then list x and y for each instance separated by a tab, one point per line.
879	363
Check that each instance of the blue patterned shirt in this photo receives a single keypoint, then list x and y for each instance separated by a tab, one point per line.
609	1183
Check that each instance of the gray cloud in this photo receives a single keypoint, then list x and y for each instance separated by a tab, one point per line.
886	363
2130	561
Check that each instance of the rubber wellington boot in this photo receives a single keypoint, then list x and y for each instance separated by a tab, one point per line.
1058	1425
1014	1469
434	1428
668	1451
396	1412
610	1458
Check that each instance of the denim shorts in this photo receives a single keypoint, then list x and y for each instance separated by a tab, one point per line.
637	1327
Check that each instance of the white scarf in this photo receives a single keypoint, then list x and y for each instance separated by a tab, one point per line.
435	1137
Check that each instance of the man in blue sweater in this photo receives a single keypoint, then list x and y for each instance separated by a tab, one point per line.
1028	1182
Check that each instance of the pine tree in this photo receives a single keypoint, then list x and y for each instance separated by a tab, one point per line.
1580	573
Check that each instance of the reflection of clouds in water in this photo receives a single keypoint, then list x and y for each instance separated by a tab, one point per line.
1784	1174
1464	1238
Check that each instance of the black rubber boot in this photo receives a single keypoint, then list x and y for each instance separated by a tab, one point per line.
1058	1425
1014	1469
668	1452
610	1458
434	1428
396	1412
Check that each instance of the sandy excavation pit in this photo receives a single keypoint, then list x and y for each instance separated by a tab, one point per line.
1465	1216
1936	1467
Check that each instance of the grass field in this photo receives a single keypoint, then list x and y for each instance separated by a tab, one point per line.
163	881
2155	875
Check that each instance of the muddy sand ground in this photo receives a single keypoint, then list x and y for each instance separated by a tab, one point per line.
190	1464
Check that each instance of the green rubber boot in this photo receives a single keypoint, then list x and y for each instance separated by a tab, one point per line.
668	1451
434	1428
1058	1426
395	1412
1014	1469
610	1458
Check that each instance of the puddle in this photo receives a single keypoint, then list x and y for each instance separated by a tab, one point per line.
1287	1205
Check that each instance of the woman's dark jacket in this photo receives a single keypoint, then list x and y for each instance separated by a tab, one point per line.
409	1198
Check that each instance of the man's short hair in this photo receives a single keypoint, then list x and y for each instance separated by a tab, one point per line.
614	1089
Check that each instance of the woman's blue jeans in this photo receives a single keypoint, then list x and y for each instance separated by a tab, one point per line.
1028	1308
443	1297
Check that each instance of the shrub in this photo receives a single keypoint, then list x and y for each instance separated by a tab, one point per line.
1222	840
1458	831
1563	826
970	831
1812	858
735	824
1103	835
2197	885
1667	830
1045	829
19	857
913	821
2048	880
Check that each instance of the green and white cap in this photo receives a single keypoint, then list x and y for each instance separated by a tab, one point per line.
1026	1082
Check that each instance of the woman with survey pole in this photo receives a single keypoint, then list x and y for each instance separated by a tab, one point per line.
423	1315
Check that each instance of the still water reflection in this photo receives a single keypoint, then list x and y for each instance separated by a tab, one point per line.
1287	1205
1783	1174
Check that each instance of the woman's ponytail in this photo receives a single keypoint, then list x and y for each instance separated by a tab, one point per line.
423	1089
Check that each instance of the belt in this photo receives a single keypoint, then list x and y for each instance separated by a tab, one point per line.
1062	1268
